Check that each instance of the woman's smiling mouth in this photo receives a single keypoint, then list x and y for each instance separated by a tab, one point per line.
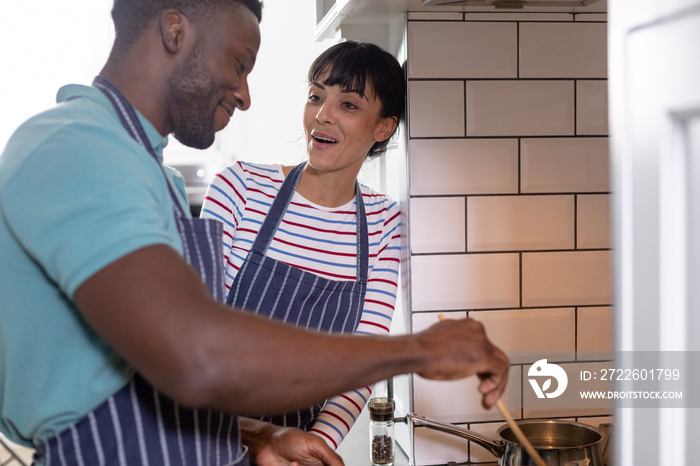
323	138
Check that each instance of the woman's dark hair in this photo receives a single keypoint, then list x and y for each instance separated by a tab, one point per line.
354	65
131	17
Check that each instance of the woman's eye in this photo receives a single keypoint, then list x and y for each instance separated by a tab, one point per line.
314	98
349	105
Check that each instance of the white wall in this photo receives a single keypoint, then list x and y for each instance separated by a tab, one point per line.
46	44
43	45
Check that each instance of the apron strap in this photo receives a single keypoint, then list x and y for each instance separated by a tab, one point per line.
277	210
130	121
362	237
280	205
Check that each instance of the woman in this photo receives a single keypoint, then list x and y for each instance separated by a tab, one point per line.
308	244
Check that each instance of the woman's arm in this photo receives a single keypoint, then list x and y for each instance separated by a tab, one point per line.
339	415
383	279
340	412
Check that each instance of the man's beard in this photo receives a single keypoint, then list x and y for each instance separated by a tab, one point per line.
194	99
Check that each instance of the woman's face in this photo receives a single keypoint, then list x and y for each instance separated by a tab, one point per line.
342	126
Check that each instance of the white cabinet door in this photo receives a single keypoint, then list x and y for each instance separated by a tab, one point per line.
654	57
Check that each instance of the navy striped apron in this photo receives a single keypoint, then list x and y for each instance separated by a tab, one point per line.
280	291
138	425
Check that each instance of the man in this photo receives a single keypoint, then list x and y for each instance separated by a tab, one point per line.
112	348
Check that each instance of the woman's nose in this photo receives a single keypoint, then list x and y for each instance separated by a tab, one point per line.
325	114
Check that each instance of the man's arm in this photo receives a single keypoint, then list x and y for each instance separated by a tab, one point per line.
155	311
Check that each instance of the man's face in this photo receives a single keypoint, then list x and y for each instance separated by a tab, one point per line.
213	79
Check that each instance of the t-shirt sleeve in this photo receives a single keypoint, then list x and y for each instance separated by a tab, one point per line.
84	198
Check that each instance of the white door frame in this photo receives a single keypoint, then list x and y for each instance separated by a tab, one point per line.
654	79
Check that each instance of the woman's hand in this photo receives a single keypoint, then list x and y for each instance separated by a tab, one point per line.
272	445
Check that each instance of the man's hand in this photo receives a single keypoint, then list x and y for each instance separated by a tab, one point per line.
271	445
461	349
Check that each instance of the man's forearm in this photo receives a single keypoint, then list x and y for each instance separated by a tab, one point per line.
156	312
293	368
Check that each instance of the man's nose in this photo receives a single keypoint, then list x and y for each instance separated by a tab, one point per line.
242	95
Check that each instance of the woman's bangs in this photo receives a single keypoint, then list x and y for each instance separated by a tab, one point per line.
349	75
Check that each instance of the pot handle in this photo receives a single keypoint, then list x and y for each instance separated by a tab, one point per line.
496	448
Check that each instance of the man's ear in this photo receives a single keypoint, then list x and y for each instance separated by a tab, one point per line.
173	27
385	128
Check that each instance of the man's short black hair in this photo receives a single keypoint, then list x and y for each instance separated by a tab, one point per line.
131	17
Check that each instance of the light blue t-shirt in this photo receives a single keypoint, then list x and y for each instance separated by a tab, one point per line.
76	193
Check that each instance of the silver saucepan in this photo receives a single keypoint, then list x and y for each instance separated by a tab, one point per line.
559	443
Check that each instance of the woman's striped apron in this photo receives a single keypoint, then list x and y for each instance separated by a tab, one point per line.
138	425
280	291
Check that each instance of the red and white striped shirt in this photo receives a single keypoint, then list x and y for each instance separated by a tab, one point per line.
319	240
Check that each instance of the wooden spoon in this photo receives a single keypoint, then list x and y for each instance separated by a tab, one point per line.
513	425
520	434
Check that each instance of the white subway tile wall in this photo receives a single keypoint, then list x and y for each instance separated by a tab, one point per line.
563	50
595	329
567	278
437	108
441	219
509	190
465	281
435	16
551	330
431	447
512	223
592	107
529	16
564	165
485	50
519	108
463	166
591	17
593	226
